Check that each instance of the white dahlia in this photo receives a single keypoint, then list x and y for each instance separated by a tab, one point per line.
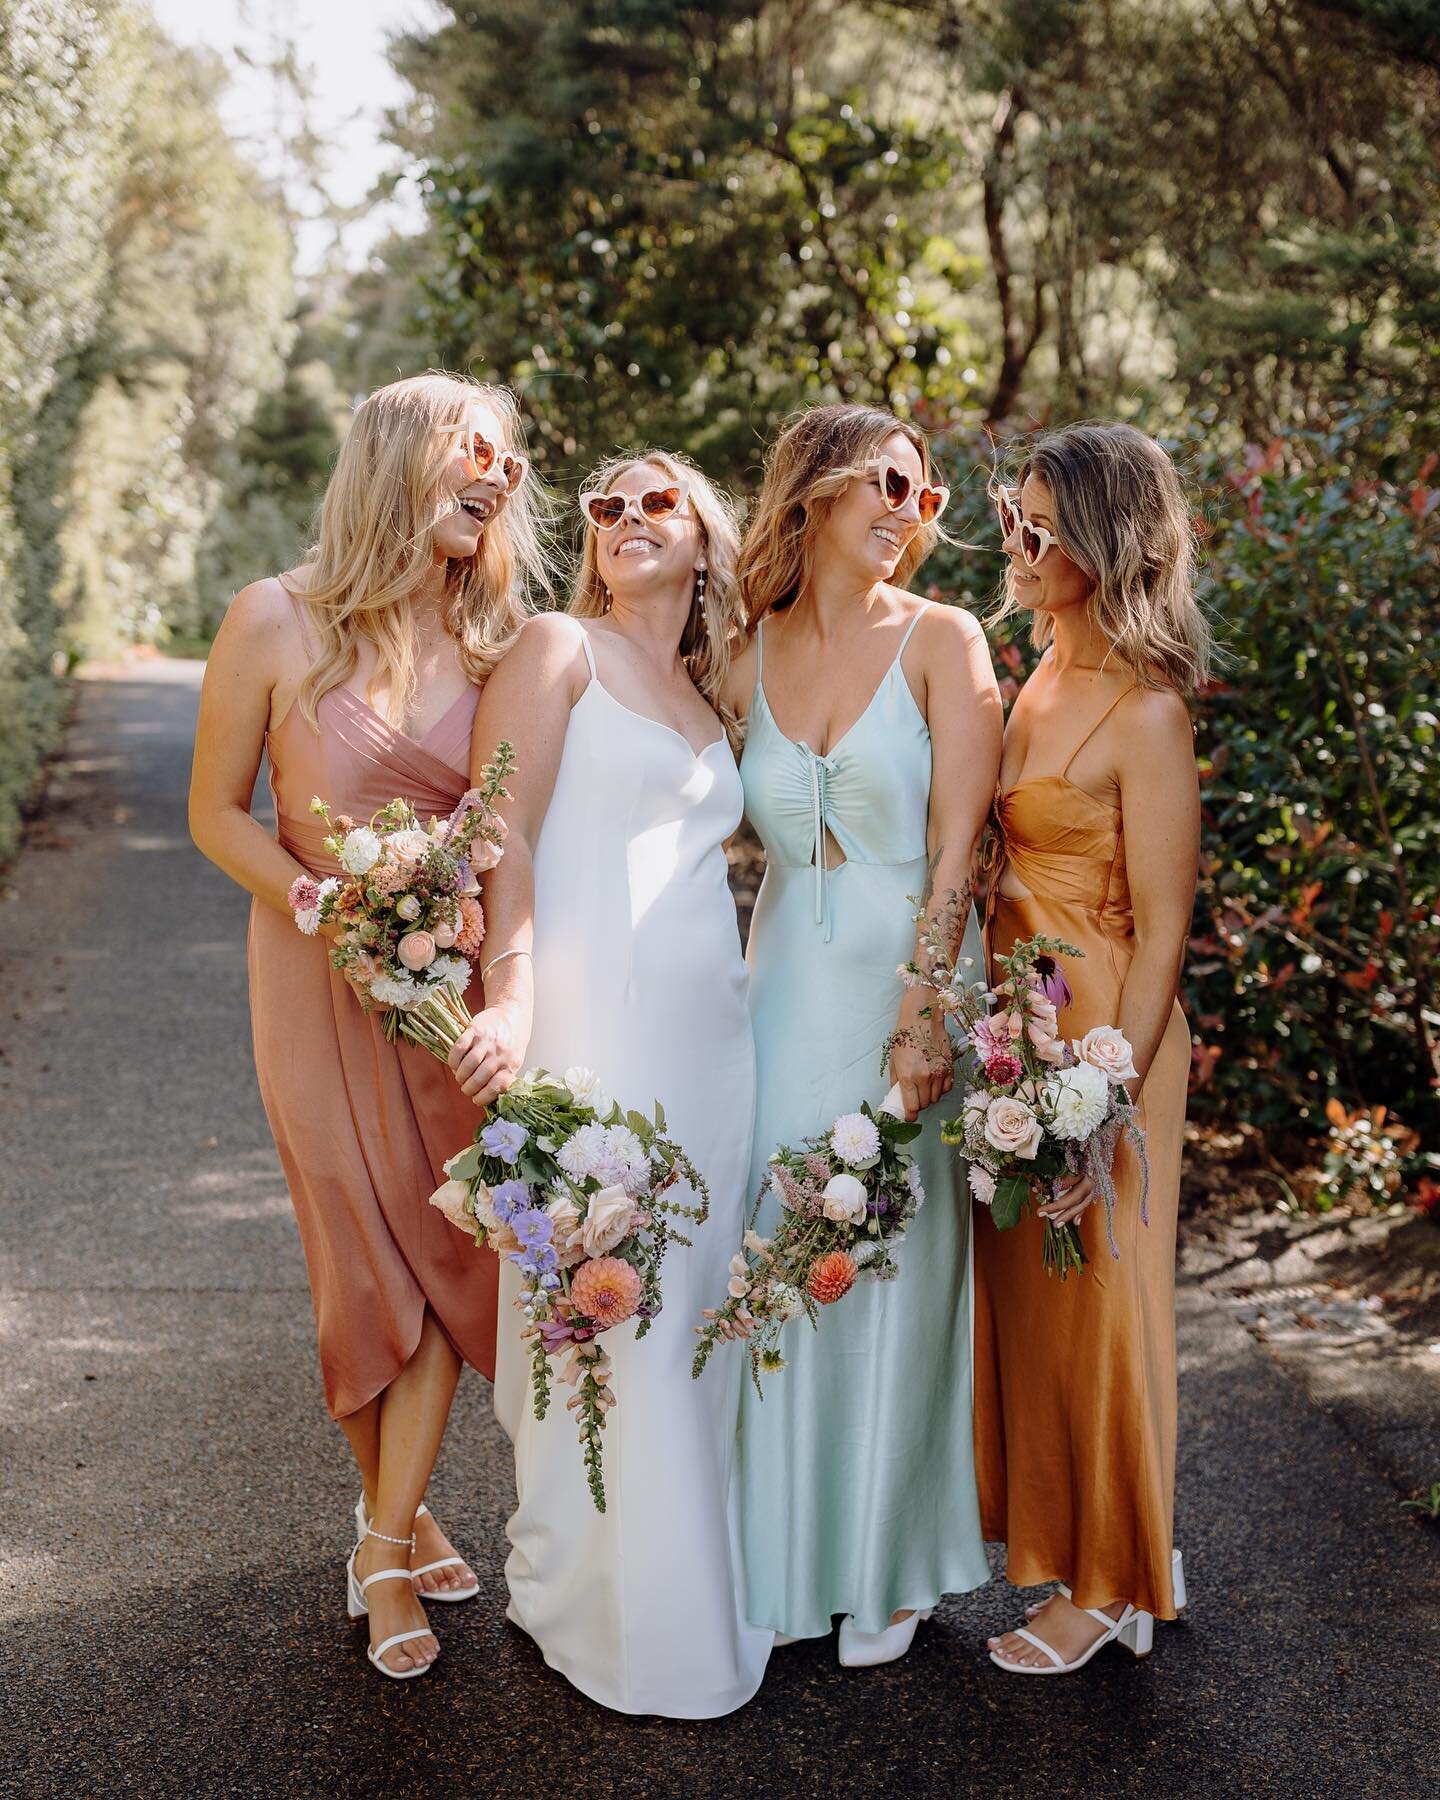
1077	1101
855	1139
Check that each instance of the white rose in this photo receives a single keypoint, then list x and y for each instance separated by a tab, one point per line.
856	1139
844	1200
361	850
584	1084
607	1220
407	907
565	1217
1011	1127
443	933
453	1199
982	1184
1078	1100
1107	1049
409	846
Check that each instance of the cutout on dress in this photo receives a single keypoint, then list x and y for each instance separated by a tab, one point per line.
1011	889
834	855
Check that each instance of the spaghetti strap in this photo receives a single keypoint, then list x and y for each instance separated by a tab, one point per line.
1065	768
910	630
589	653
759	650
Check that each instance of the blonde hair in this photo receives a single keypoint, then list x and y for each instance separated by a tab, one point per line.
817	454
714	621
374	543
1121	516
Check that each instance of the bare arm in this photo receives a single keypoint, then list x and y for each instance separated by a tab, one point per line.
527	700
1160	807
739	686
248	654
962	704
1160	811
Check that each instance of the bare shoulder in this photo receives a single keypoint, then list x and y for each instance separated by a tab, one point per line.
264	609
260	635
1155	716
546	655
948	628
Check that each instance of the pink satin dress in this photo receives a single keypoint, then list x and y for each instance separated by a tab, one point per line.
362	1125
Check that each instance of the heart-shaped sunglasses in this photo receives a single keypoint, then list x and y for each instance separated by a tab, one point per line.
605	511
1035	540
482	458
896	488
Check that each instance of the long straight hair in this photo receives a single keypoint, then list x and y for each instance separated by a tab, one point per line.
374	544
817	454
716	620
1121	515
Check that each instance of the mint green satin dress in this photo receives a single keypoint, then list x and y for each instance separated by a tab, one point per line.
857	1469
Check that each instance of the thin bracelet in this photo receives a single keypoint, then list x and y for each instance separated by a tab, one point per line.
499	959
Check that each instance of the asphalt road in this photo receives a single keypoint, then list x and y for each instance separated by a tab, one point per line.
174	1502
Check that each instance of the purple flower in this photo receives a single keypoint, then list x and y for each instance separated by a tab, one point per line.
509	1198
1051	983
534	1229
503	1139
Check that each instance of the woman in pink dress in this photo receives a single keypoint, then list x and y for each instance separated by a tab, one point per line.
358	674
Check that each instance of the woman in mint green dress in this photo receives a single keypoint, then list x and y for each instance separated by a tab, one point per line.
873	728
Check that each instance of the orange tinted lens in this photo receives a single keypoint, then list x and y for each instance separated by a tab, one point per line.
1009	518
1032	545
482	453
659	503
605	510
513	469
895	487
930	500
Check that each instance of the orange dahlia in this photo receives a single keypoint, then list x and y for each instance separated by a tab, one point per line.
606	1290
831	1278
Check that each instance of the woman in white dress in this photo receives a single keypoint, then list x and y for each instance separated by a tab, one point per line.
612	943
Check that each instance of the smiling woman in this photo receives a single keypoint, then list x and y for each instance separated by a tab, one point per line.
357	673
871	750
614	876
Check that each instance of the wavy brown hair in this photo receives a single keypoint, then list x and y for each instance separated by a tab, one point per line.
374	543
715	623
1121	515
817	454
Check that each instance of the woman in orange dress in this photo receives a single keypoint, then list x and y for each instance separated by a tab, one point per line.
358	673
1098	814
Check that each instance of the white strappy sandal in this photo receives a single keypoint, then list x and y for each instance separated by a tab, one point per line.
362	1525
1135	1630
1177	1582
358	1607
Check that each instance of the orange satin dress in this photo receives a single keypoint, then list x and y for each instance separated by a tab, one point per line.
1075	1380
362	1125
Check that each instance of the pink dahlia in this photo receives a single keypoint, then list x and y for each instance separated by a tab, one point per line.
471	934
606	1290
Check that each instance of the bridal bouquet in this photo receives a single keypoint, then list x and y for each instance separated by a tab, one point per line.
846	1199
1040	1107
579	1195
408	908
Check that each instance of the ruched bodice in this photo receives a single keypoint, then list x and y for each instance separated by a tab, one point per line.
1064	846
358	762
871	793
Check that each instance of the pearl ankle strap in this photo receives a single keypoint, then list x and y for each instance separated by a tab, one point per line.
385	1538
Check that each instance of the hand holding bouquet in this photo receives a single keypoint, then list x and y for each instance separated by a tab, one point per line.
579	1195
846	1198
1040	1108
407	907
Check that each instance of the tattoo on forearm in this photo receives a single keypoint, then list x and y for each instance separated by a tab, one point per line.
938	1055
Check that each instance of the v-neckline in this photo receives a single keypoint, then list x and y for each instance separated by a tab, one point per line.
395	730
860	718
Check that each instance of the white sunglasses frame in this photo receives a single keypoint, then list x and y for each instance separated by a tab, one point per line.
637	499
516	459
1016	522
880	467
